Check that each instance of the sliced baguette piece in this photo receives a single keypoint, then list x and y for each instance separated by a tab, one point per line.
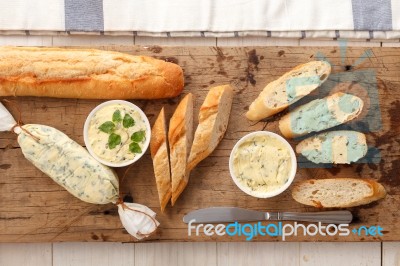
288	89
180	137
159	154
339	147
321	114
213	122
338	192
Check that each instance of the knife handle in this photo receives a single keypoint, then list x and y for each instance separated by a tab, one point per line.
329	217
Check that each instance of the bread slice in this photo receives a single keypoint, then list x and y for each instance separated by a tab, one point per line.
338	192
321	114
159	154
213	122
339	147
288	89
180	137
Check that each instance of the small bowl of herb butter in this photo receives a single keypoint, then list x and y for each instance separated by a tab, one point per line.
262	164
117	133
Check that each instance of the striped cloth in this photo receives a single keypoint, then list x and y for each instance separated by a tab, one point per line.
362	19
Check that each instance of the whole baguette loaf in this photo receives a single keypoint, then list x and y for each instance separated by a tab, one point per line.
321	114
338	192
180	137
288	89
213	122
86	74
159	154
339	147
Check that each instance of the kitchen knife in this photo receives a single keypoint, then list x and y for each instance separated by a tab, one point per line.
233	214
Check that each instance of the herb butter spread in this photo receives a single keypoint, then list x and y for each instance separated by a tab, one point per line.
69	164
117	133
262	163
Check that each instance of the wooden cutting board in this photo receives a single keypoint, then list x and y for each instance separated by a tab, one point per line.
35	209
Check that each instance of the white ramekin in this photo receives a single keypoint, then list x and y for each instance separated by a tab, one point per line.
268	194
86	129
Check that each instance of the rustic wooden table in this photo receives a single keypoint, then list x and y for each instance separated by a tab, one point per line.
200	253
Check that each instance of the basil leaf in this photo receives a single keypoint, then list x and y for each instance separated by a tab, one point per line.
117	116
113	140
107	127
128	121
135	148
138	136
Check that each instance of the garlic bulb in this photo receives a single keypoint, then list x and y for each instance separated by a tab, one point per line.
137	219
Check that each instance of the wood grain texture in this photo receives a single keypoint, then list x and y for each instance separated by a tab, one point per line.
391	254
99	254
243	254
178	254
343	254
37	254
34	208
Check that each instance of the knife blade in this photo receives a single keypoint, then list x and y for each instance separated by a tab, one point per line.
233	214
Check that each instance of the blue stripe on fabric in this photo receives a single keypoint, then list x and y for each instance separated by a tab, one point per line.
81	15
372	14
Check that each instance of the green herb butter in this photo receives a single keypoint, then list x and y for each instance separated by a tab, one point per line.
117	133
262	163
69	164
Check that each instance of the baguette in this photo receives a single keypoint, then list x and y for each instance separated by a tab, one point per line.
86	74
159	154
338	192
288	89
213	122
180	137
321	114
339	147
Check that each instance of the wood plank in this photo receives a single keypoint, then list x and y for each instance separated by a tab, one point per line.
23	40
258	254
256	41
45	212
391	44
361	43
96	254
174	41
180	254
38	254
391	254
343	254
91	40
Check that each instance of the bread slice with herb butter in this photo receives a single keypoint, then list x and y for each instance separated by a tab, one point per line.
288	89
159	154
213	122
321	114
338	192
339	147
180	137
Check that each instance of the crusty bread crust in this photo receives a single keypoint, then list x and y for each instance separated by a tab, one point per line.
159	154
180	137
213	122
259	109
86	74
285	123
300	190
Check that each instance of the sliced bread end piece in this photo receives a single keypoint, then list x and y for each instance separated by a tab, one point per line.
338	192
180	138
288	89
159	154
213	122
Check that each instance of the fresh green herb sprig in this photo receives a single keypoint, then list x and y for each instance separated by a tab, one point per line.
114	139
